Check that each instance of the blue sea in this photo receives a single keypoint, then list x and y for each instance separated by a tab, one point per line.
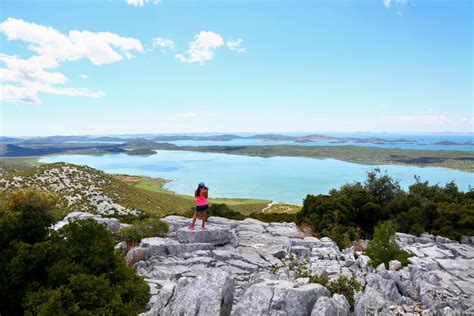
279	179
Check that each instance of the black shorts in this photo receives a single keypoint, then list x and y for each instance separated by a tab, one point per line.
202	208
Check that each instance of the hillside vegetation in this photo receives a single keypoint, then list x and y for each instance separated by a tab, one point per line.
82	188
72	271
354	210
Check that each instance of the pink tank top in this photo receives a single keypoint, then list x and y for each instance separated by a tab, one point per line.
201	200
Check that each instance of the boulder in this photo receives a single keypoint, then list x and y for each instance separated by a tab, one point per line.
211	235
380	268
301	251
329	267
160	300
371	302
273	297
222	221
136	254
205	293
176	222
394	265
363	262
110	223
156	246
277	229
386	287
326	306
122	246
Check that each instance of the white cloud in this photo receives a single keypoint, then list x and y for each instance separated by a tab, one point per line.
236	45
164	43
53	48
141	3
14	94
202	48
28	92
399	3
187	115
84	76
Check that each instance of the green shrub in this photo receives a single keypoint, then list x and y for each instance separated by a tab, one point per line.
345	286
274	217
342	285
222	210
75	270
443	211
320	279
149	227
382	248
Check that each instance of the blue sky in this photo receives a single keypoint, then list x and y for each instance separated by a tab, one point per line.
112	67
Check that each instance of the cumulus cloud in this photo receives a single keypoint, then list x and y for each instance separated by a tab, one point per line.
164	43
84	76
400	3
236	45
52	47
141	3
202	48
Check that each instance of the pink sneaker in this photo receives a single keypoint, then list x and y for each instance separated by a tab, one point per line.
191	227
203	228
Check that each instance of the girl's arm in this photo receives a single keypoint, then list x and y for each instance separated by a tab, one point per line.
204	192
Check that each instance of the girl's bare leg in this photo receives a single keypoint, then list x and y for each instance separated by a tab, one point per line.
194	218
204	217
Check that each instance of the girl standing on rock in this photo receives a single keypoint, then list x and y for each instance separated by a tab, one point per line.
202	205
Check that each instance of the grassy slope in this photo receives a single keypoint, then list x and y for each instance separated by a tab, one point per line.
155	203
244	206
143	193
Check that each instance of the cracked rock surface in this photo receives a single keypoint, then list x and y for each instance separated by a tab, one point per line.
241	268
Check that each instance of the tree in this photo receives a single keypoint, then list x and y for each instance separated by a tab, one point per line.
73	271
382	248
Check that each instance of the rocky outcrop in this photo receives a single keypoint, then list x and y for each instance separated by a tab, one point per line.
112	224
213	235
280	297
248	268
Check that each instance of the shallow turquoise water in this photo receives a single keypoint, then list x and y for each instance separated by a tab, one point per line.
280	179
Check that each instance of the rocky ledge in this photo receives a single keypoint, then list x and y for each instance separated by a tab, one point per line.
242	268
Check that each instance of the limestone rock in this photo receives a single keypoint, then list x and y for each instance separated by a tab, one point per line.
326	306
371	302
211	235
280	297
394	265
208	293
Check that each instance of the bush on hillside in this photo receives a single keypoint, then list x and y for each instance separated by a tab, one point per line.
75	270
222	210
345	286
342	285
439	210
149	227
382	248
